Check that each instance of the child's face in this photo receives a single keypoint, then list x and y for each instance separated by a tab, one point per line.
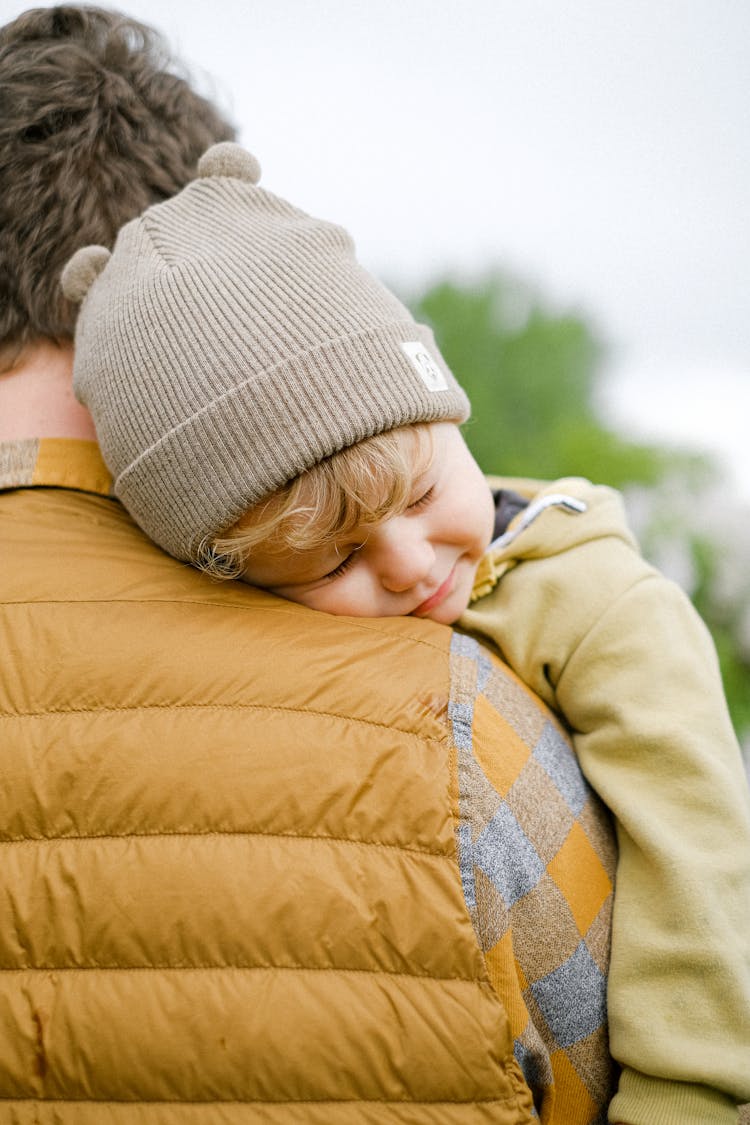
420	562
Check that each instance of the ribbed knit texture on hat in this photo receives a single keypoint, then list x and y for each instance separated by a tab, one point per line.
232	342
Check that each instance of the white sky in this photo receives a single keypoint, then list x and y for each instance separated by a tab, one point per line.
598	148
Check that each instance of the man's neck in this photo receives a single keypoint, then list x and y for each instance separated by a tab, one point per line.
37	400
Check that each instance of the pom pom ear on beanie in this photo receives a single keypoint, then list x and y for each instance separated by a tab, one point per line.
229	343
82	271
230	160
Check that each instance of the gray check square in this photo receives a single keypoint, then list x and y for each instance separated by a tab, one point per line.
507	857
572	998
555	755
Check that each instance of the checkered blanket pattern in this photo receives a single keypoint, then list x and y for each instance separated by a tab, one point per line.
537	862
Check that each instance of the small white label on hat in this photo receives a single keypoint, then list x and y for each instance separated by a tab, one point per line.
424	365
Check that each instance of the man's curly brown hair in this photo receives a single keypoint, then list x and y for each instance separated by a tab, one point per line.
96	124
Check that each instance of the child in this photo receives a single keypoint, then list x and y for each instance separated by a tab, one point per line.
299	430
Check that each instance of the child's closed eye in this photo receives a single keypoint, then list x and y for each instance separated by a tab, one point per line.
342	567
423	500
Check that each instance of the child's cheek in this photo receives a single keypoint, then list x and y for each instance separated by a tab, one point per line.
338	598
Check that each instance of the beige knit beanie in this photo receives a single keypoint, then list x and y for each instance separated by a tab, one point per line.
230	342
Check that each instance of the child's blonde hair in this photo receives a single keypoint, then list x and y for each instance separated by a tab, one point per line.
354	488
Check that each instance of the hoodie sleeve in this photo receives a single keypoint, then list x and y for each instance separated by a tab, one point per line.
619	651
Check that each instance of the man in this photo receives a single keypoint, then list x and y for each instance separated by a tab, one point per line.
207	913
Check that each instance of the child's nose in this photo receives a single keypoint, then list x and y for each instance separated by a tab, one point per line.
405	560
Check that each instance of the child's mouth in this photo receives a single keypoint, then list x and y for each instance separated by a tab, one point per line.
442	592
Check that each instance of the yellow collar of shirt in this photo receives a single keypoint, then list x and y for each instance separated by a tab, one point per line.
489	572
54	463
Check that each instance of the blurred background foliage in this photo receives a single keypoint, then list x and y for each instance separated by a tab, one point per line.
535	378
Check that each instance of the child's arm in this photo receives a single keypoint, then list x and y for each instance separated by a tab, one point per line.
621	653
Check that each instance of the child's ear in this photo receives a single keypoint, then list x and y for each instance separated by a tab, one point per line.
82	271
229	160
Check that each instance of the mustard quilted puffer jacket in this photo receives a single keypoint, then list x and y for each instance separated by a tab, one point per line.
230	888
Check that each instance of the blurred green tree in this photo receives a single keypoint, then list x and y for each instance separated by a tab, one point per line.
534	377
